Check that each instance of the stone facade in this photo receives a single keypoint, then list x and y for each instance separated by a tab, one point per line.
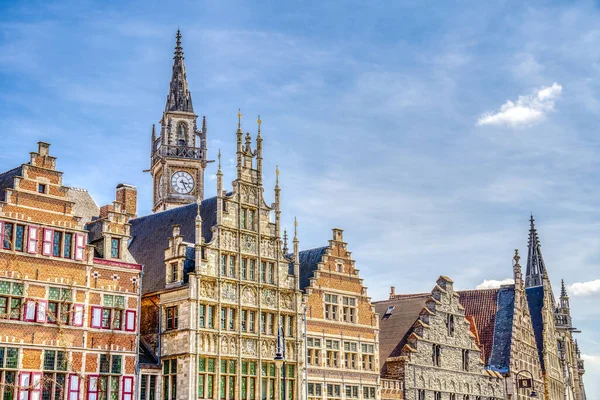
68	306
427	344
341	324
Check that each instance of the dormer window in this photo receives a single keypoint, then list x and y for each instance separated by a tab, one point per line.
174	272
389	311
41	188
450	324
115	245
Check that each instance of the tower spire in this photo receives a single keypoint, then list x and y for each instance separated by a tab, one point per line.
536	269
179	97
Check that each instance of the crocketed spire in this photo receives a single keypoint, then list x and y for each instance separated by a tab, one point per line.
536	269
179	97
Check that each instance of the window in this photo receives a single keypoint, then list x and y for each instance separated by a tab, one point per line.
114	247
170	379
291	382
267	323
251	319
148	387
452	396
271	273
228	265
41	188
174	272
68	247
314	351
244	269
112	315
437	396
351	391
248	218
331	307
436	355
368	392
11	300
60	305
350	355
268	381
228	318
368	357
420	394
332	347
465	360
450	324
106	386
172	317
210	318
314	391
57	244
263	271
333	391
7	234
289	324
248	387
9	357
20	237
349	309
248	320
55	367
29	383
206	377
227	383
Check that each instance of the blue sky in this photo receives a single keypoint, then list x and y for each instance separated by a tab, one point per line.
427	130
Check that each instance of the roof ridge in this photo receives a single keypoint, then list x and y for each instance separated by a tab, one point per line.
11	170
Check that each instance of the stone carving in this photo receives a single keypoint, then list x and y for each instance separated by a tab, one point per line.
269	297
249	347
249	297
248	244
249	194
286	301
267	248
268	348
207	289
224	347
228	292
229	240
232	346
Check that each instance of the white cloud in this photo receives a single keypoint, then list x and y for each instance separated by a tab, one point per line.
590	358
526	110
493	284
585	288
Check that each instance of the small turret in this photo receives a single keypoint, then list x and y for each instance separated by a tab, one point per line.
535	262
517	274
219	190
277	203
296	254
259	157
240	150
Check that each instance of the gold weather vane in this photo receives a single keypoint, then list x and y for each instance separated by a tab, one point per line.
258	121
277	174
295	227
239	118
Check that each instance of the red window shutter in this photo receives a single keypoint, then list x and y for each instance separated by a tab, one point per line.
92	387
96	317
29	312
78	315
42	311
47	242
1	234
79	246
32	239
130	320
74	384
36	386
127	388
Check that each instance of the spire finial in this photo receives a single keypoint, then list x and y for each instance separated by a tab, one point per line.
285	241
178	48
517	257
295	228
563	289
219	157
239	114
277	175
258	121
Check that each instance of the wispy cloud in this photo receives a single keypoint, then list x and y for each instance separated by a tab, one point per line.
589	288
526	110
493	284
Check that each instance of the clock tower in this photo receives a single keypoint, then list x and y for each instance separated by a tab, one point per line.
178	154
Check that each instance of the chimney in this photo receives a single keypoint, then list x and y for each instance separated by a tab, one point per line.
338	234
127	196
392	291
43	148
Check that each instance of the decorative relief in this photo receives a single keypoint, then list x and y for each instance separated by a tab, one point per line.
207	289
268	348
229	240
248	244
286	301
228	292
232	346
249	297
249	194
224	345
249	347
267	248
269	297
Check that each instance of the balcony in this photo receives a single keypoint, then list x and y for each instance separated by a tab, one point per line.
186	152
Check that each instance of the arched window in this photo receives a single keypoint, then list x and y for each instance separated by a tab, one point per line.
436	355
450	324
181	134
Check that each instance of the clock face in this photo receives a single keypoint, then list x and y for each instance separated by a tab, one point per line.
182	182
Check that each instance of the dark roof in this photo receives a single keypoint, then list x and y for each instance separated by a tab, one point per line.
394	329
84	207
309	261
482	305
146	356
150	237
7	180
535	299
500	357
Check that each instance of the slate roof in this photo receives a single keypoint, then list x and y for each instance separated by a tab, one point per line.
535	299
395	328
146	357
500	357
7	180
150	237
482	305
84	207
309	261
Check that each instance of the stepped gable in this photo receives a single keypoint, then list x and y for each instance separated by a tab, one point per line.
535	300
500	356
309	263
7	180
394	329
150	237
481	305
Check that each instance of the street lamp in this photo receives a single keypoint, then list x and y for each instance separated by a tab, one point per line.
280	358
526	383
